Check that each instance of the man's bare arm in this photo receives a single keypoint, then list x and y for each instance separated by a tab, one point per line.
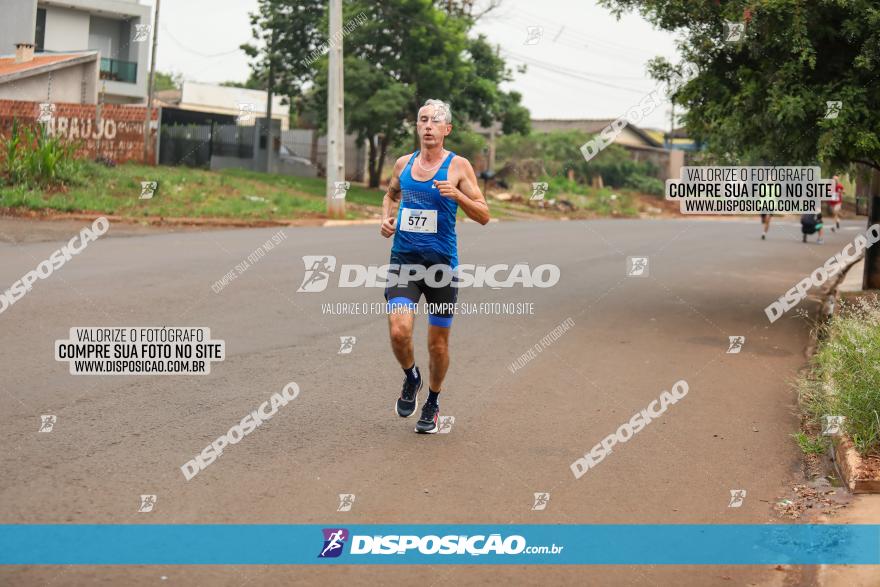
392	200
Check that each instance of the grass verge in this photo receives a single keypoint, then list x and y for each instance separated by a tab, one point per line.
186	192
845	378
253	196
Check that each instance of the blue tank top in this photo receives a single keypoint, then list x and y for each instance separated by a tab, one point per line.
422	209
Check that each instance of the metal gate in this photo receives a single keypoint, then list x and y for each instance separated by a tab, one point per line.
188	145
193	145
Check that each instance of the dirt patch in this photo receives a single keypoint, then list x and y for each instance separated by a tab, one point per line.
654	207
818	497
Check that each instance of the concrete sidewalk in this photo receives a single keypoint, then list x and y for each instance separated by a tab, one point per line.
852	283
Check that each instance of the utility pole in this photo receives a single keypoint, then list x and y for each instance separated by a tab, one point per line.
871	275
271	86
335	115
149	116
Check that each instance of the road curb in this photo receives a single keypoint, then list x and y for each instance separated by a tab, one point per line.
843	458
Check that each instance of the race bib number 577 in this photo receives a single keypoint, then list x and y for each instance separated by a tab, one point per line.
412	220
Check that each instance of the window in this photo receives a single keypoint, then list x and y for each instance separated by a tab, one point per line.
40	31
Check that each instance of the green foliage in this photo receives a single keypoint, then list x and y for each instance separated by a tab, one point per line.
645	184
846	374
168	81
466	143
398	53
763	99
617	167
560	152
284	33
32	157
810	445
604	202
252	83
373	101
13	160
559	184
187	192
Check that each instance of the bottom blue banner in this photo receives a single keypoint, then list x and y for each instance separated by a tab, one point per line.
227	544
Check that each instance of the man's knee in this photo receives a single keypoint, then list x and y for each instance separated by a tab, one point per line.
400	335
438	347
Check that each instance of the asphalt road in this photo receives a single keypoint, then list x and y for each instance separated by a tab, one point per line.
514	434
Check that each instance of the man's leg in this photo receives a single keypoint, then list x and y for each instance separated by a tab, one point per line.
438	351
441	299
400	329
402	298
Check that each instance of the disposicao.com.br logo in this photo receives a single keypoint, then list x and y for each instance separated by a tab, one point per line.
334	541
319	268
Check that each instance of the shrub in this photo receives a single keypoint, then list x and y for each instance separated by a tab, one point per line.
33	158
560	153
646	185
466	143
845	380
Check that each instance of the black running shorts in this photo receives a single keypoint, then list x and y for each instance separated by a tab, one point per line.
441	298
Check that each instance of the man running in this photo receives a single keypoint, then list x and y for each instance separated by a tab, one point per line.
835	204
765	221
419	209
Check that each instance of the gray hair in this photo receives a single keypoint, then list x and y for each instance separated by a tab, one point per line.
440	107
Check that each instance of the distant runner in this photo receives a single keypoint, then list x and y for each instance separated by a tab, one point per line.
426	190
765	220
835	204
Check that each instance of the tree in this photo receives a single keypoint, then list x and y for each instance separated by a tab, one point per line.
373	103
298	31
398	53
253	82
168	81
765	98
560	156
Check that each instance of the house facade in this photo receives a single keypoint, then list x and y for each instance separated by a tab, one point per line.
119	30
49	77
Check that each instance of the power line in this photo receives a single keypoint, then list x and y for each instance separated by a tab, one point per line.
567	72
593	50
193	51
551	79
522	15
579	38
599	49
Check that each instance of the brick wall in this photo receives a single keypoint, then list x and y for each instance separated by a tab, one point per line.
118	133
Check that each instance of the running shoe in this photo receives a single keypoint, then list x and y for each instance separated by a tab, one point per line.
429	422
406	403
820	241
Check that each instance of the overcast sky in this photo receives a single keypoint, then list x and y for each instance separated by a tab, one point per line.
582	62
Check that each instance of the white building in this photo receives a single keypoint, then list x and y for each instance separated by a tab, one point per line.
245	104
117	29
